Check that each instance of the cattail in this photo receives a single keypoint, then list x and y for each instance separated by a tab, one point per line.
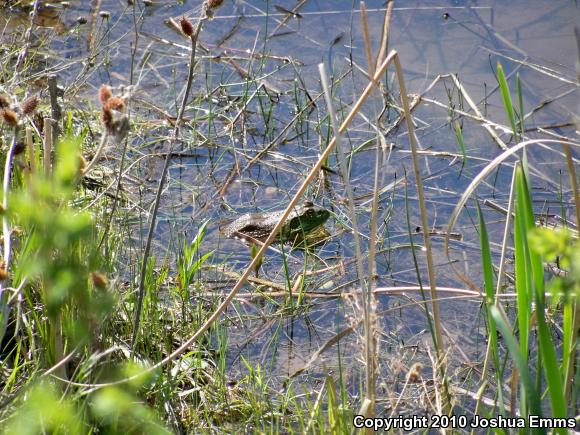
10	117
99	280
104	93
186	26
115	103
29	105
4	102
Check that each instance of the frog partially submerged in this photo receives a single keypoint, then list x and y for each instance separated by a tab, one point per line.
303	220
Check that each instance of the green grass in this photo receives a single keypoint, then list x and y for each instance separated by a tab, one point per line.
86	348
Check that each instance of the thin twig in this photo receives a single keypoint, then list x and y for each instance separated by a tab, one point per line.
6	229
173	141
97	155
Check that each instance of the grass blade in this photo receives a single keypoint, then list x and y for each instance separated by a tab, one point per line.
519	360
490	298
507	101
459	135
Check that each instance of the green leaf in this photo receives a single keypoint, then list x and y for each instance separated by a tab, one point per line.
507	101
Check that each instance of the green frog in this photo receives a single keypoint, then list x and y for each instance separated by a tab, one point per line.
303	220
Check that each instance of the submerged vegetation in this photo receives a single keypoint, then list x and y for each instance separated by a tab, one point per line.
444	292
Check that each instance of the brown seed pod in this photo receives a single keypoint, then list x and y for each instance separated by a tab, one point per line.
4	274
29	105
107	118
4	102
99	279
186	26
414	374
214	4
19	148
115	103
104	93
10	117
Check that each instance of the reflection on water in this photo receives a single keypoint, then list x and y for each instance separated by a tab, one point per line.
48	14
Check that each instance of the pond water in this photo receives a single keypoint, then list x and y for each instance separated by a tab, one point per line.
256	74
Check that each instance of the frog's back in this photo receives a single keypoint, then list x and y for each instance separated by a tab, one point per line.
254	225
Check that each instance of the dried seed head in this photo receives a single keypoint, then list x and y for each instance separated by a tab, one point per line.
4	274
10	117
107	118
4	102
82	164
115	103
186	26
19	148
29	105
104	93
214	4
99	280
414	374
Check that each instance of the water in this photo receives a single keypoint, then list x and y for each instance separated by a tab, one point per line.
534	39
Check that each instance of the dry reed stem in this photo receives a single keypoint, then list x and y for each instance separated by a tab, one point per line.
5	221
369	302
385	35
316	406
366	35
424	221
98	153
157	201
367	299
31	153
569	371
48	144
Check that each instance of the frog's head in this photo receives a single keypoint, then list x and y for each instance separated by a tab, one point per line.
306	218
